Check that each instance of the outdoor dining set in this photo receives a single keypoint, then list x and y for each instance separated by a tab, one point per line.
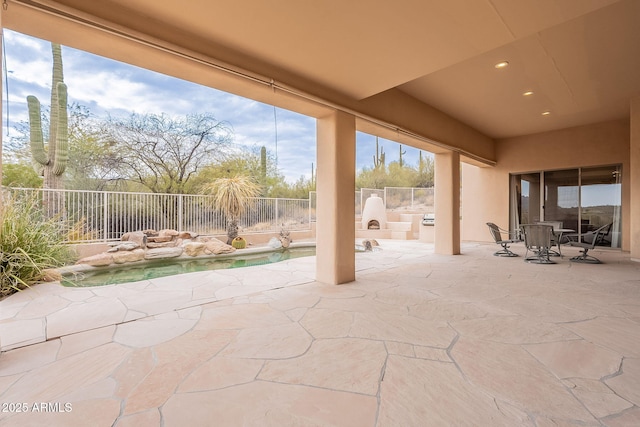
543	241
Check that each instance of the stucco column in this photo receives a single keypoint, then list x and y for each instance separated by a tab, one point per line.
634	157
336	207
447	203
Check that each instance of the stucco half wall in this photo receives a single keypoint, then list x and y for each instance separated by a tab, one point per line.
485	190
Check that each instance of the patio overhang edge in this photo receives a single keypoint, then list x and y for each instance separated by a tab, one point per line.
399	116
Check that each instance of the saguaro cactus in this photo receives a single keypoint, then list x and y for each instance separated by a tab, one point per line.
53	159
378	159
400	159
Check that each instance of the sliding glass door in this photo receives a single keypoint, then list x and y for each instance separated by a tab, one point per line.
562	197
583	199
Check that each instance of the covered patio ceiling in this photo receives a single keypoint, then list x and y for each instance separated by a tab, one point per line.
580	58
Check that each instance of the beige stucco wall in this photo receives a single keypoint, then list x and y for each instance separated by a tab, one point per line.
485	191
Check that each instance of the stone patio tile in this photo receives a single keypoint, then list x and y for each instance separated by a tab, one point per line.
158	301
468	290
627	384
79	294
198	345
41	307
447	311
102	389
94	315
175	360
404	296
76	343
346	364
100	412
241	316
141	419
549	422
27	358
240	290
513	330
133	370
19	333
628	419
541	307
576	358
271	342
416	392
289	298
326	323
494	367
221	372
620	335
431	353
7	381
366	304
263	404
296	314
325	291
407	329
151	331
399	348
599	399
51	382
9	306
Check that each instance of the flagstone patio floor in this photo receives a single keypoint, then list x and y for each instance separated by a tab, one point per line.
419	339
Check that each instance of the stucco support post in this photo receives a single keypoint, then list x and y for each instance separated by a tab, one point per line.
336	207
447	203
634	157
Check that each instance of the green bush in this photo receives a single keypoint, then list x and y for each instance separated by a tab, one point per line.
29	243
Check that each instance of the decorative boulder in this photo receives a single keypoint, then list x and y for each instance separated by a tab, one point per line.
187	235
138	237
126	246
194	248
99	260
161	253
168	233
128	256
217	247
274	243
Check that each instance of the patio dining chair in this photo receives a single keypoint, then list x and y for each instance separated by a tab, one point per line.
496	233
537	239
589	241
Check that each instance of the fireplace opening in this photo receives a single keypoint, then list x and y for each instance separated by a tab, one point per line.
373	225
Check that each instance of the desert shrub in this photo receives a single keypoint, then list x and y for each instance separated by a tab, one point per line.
30	243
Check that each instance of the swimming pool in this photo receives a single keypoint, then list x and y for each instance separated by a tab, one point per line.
169	267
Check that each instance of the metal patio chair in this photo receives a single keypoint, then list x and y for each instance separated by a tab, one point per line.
496	233
591	240
537	239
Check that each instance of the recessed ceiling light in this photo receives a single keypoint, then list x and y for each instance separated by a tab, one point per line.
546	113
527	93
502	64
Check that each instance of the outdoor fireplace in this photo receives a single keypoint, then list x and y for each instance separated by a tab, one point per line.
374	215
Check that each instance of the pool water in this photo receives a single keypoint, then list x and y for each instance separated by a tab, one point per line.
148	271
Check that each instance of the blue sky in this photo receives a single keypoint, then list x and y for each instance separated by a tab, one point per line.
110	87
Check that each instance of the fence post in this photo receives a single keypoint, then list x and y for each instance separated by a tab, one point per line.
180	219
105	214
412	198
277	214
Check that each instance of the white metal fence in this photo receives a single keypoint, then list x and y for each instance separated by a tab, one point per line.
104	215
394	198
